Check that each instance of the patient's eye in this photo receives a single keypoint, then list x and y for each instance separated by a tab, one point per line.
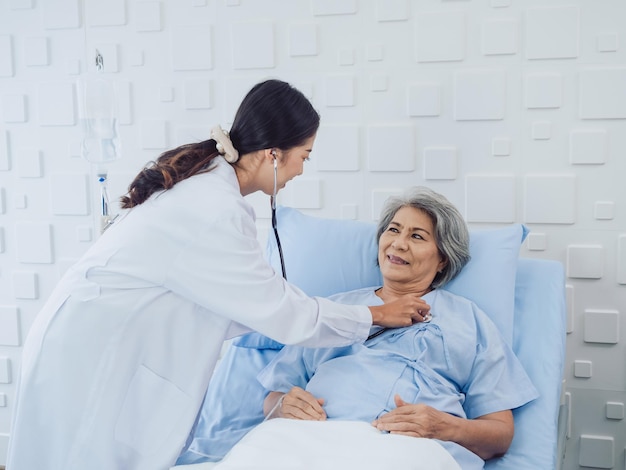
393	229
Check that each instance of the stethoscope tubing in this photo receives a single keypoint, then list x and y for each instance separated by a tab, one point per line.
274	224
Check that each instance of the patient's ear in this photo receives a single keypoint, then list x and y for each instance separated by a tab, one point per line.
442	263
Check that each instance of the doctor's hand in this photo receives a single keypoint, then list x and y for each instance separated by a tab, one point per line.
404	311
295	404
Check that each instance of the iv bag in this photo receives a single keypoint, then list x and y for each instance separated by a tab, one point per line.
98	120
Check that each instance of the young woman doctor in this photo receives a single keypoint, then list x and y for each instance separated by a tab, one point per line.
116	364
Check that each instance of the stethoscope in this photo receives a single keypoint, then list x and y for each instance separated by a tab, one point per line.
274	226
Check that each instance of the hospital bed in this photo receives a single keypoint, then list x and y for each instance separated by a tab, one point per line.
524	297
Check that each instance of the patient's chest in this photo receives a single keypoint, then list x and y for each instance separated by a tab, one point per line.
428	362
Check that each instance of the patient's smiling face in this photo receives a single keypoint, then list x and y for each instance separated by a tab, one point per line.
407	251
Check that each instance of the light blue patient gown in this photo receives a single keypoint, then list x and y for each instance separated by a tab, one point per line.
458	363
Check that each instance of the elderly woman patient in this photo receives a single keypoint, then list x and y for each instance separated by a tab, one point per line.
452	378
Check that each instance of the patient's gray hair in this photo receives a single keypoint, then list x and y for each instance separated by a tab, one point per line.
451	233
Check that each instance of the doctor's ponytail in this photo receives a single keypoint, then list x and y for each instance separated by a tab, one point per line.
171	167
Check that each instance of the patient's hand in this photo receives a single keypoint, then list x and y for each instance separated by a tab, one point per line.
405	311
297	404
487	436
417	420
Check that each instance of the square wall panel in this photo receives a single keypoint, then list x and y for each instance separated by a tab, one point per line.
34	242
253	45
601	326
440	163
552	32
537	241
379	83
501	147
303	40
490	199
392	10
21	4
588	147
424	99
198	57
614	410
337	148
544	90
69	194
391	148
61	14
440	36
541	130
6	56
604	210
9	326
583	369
585	261
602	93
57	104
550	199
479	94
596	451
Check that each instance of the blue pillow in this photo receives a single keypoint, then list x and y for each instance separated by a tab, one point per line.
326	256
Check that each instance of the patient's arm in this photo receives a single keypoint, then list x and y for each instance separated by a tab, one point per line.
295	404
487	436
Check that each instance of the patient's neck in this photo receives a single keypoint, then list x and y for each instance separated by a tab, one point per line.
390	292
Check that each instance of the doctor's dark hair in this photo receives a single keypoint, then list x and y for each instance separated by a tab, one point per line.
272	115
451	233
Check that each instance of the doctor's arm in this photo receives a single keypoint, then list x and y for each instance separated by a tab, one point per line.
488	436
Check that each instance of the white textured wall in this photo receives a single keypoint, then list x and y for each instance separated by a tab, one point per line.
515	109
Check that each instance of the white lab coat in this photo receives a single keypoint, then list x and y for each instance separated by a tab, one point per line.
115	366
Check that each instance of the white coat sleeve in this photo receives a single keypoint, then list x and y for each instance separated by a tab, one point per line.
224	271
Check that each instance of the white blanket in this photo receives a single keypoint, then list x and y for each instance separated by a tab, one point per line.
286	444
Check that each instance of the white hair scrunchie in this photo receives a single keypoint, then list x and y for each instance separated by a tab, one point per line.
224	144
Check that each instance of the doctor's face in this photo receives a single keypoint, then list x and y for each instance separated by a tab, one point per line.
407	250
291	162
